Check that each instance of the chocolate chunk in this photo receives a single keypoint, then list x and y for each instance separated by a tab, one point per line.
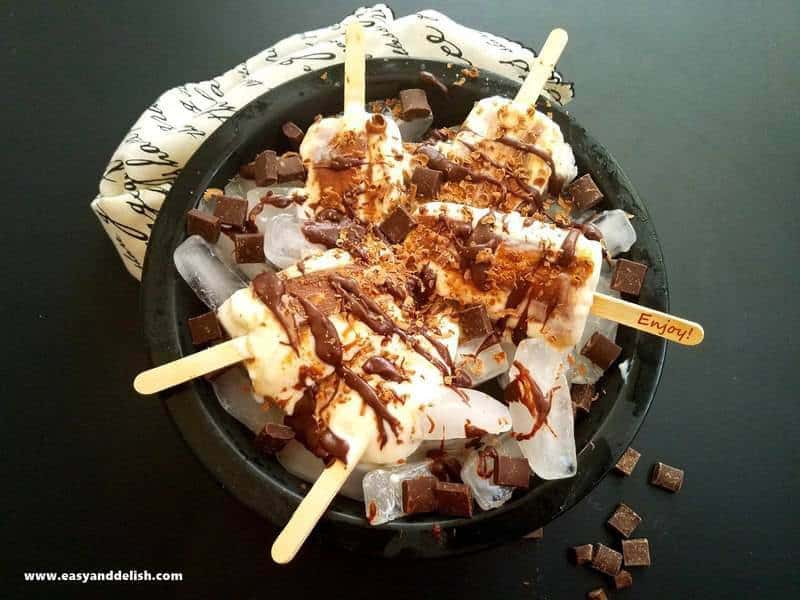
248	170
203	224
474	322
248	248
418	496
513	472
623	579
231	211
536	534
584	192
582	396
627	462
453	499
636	553
446	468
606	560
601	350
667	477
582	554
205	328
290	168
624	520
628	277
598	594
415	104
397	225
273	437
266	168
317	289
293	133
436	160
427	181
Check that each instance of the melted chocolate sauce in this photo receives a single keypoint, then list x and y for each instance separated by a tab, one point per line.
270	290
320	440
567	255
555	184
377	365
484	456
524	389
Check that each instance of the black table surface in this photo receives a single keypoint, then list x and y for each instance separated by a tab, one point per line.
698	103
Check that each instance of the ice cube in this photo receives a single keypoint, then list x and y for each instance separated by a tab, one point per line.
284	242
551	450
490	363
236	396
414	130
199	266
449	415
301	463
239	186
618	233
544	362
487	494
383	490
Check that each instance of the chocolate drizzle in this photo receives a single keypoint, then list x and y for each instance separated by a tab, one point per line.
270	290
524	389
320	440
567	255
484	456
377	365
555	184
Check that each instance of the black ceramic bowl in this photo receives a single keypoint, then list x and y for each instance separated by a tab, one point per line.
225	447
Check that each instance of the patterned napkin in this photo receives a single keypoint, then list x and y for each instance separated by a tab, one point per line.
149	159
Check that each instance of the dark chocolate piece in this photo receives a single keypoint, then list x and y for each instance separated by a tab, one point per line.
636	553
623	579
584	192
513	472
397	225
582	554
582	396
669	478
266	168
231	211
415	104
427	181
248	170
598	594
290	168
428	77
601	350
316	288
436	160
474	322
606	560
627	462
248	248
453	499
203	224
536	534
273	437
628	277
446	468
205	328
624	520
293	133
418	496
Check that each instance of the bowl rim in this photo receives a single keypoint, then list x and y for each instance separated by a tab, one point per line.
238	473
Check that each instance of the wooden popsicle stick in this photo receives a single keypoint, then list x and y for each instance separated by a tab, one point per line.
310	510
542	67
200	363
354	69
648	320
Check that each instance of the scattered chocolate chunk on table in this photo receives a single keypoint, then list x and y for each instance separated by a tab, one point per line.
231	211
273	438
474	322
607	560
636	553
624	520
598	594
397	225
453	499
628	276
627	462
418	495
202	224
512	472
623	580
669	478
581	554
601	350
584	192
205	328
582	396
